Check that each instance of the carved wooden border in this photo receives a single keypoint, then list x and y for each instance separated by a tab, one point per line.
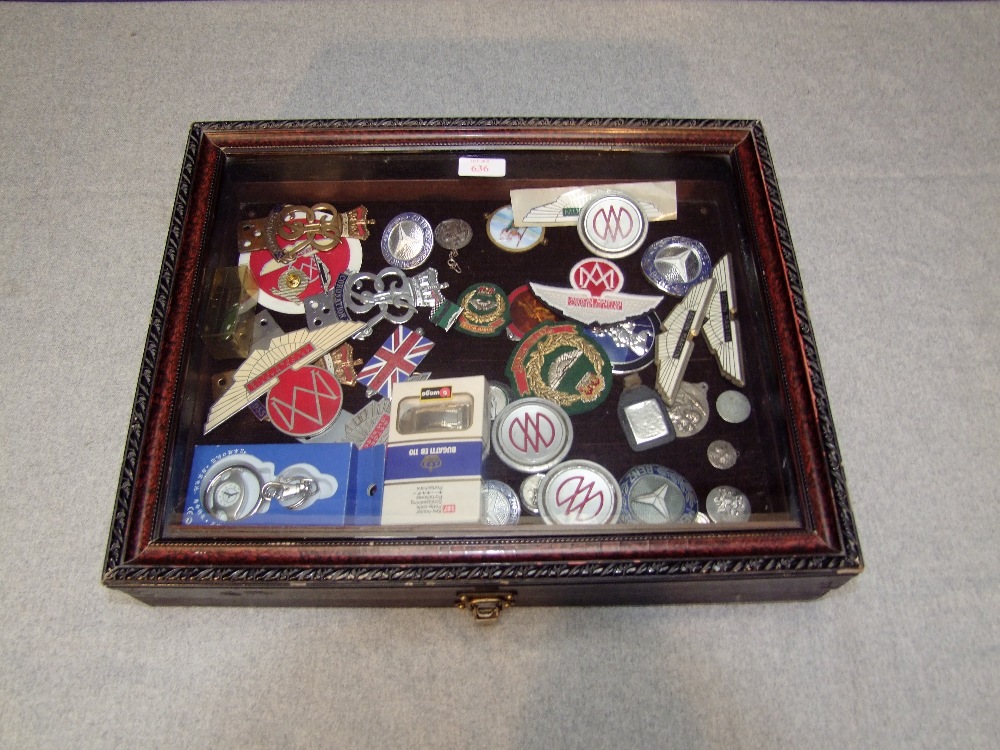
333	562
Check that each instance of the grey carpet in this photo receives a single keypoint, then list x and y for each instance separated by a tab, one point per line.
883	125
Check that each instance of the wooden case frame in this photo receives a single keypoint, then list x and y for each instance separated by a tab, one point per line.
800	561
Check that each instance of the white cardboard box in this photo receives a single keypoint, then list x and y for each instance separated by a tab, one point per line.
434	452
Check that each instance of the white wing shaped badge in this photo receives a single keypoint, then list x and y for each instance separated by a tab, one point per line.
673	347
260	371
722	331
596	296
604	309
561	206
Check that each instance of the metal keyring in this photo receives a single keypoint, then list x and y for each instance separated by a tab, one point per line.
222	512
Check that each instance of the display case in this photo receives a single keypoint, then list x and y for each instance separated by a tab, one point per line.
479	363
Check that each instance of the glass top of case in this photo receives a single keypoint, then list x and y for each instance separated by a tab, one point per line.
501	341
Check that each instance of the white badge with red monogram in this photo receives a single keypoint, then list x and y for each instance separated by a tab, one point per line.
596	296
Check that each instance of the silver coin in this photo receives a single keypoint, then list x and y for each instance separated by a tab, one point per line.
532	434
727	504
722	454
453	234
579	492
690	410
733	406
529	493
500	504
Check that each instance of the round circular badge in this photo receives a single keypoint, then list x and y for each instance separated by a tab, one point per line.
529	493
579	492
532	435
612	226
283	286
500	506
233	494
485	310
453	234
502	232
727	505
628	344
304	402
407	240
656	494
675	264
526	312
733	406
560	363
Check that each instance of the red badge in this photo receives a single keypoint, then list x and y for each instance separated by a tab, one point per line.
304	402
596	276
526	312
282	287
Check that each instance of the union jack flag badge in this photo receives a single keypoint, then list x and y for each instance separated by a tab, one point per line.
395	360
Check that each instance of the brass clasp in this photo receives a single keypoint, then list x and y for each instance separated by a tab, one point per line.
485	608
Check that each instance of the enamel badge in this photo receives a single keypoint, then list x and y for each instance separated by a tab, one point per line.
673	346
304	402
395	360
596	296
282	287
262	370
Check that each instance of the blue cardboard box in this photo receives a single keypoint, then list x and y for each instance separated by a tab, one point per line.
322	484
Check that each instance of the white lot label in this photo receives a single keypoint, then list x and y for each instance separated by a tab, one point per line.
474	166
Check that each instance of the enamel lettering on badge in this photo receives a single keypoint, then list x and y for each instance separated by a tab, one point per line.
595	295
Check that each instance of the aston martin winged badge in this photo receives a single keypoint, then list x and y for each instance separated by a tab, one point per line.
673	346
596	296
722	330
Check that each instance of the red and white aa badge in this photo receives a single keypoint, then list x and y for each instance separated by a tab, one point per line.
282	287
304	402
596	296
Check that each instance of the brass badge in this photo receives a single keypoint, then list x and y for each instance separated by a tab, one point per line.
293	231
342	364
